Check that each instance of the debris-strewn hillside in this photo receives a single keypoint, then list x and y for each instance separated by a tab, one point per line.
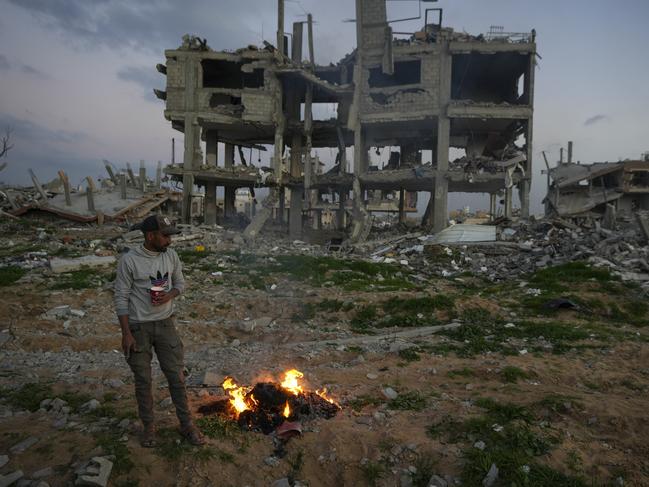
516	362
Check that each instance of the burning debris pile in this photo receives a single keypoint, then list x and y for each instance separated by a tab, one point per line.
267	405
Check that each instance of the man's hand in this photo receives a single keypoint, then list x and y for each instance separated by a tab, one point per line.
165	297
128	344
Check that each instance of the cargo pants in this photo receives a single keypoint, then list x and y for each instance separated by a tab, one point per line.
162	337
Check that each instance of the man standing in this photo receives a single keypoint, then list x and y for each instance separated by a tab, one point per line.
146	318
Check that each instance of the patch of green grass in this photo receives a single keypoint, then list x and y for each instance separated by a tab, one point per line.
218	427
512	374
20	249
28	396
111	443
296	462
373	472
191	256
465	372
511	442
558	403
426	465
408	401
359	402
409	355
172	447
401	312
81	279
483	333
563	277
10	274
75	399
329	305
347	274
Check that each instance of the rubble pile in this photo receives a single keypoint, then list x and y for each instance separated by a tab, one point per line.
522	248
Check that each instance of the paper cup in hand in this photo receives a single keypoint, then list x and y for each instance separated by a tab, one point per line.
156	291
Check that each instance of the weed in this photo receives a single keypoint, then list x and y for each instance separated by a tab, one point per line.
562	277
412	400
363	400
558	403
110	397
574	462
465	372
296	462
171	447
28	397
329	305
10	274
512	374
426	465
409	355
81	279
188	256
111	443
217	427
373	472
75	399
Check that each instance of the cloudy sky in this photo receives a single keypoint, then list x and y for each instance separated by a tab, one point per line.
76	76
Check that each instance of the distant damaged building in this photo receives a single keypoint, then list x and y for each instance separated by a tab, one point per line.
429	90
588	190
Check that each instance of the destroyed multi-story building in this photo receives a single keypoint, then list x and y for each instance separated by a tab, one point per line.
599	190
429	90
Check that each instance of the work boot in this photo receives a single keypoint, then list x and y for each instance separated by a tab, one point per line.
192	434
147	440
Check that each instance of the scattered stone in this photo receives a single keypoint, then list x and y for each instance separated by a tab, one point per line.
372	376
236	342
166	403
42	473
405	479
366	420
23	445
480	445
90	405
7	480
59	312
491	477
79	313
60	266
437	481
271	461
4	459
390	393
281	483
60	423
96	473
5	336
124	423
114	383
212	378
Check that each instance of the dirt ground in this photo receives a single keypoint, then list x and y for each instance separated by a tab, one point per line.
581	396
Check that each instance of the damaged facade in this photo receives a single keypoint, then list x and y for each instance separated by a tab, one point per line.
595	190
430	90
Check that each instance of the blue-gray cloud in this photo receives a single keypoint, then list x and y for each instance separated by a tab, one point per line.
44	150
150	25
4	64
33	133
32	71
145	76
595	119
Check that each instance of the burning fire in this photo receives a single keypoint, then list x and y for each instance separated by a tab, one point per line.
323	394
238	396
242	400
290	382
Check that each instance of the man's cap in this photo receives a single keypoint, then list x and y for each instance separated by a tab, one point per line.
158	223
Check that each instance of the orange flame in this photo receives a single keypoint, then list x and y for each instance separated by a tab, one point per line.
238	396
290	381
323	394
287	410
